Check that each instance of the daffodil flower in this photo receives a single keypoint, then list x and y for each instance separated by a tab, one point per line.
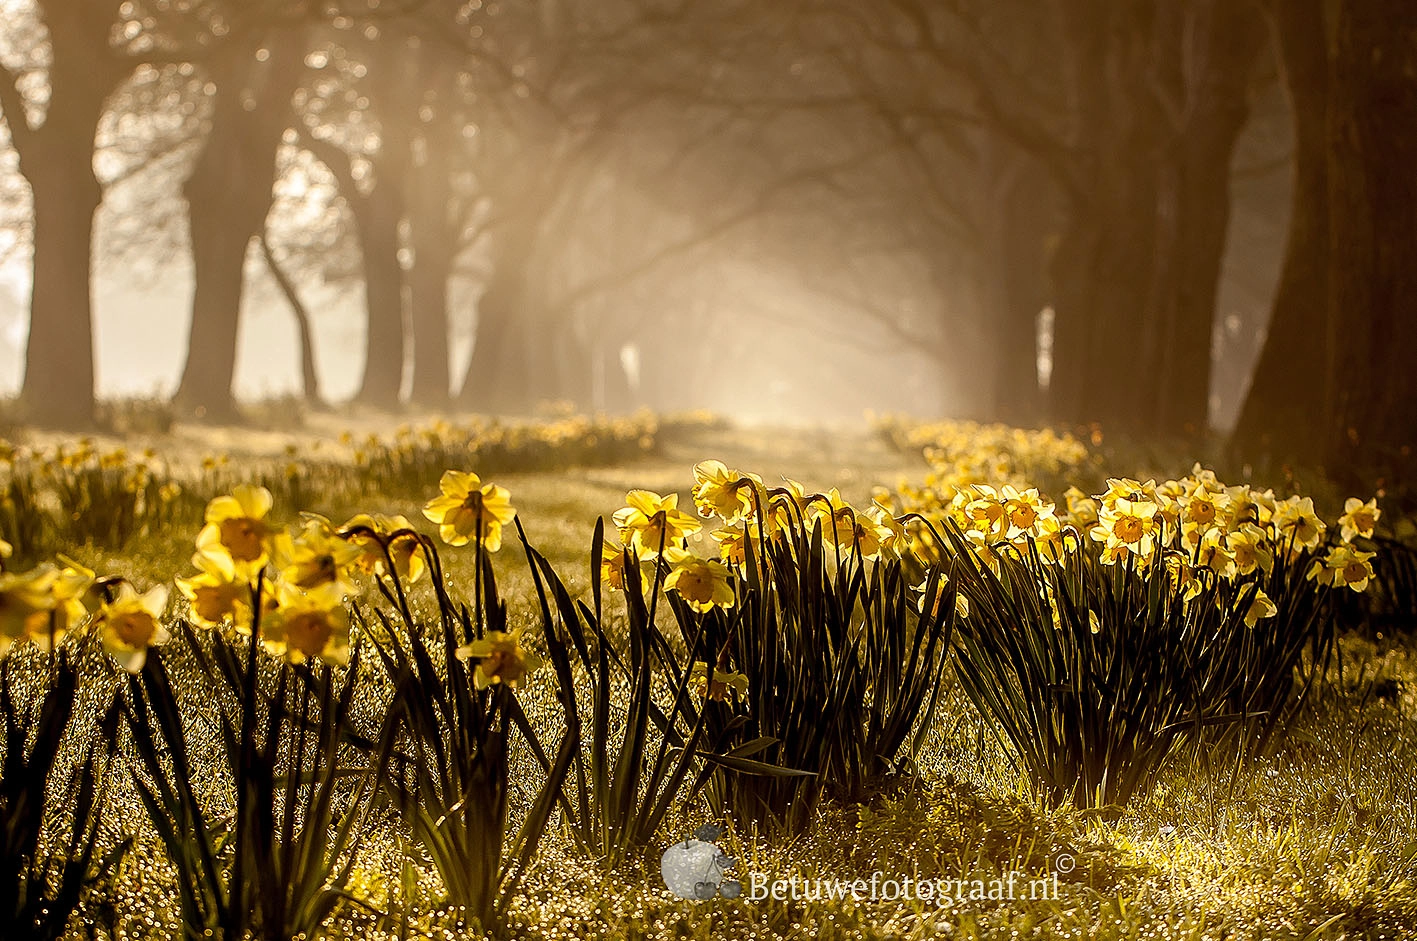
130	624
500	659
470	510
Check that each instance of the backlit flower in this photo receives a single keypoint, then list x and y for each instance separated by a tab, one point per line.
405	549
1260	606
716	689
733	543
651	523
216	593
129	625
1249	546
72	590
703	583
718	491
236	527
1126	527
1344	565
469	509
1024	509
1359	518
1297	523
26	601
314	556
500	659
612	565
308	624
986	513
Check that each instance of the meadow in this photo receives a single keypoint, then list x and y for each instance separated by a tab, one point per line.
474	677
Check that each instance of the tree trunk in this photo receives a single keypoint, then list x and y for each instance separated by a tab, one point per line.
309	377
1284	408
499	376
377	219
58	388
377	215
1021	206
1101	278
1136	270
1197	206
57	160
1102	265
435	238
229	195
1372	282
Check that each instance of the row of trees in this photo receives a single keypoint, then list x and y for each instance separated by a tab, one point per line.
941	171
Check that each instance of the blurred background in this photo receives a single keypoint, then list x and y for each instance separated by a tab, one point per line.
1167	218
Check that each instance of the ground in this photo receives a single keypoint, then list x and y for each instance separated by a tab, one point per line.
1317	840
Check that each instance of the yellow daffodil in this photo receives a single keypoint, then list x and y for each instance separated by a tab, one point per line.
732	543
890	534
1359	518
1184	578
1344	565
1083	510
703	583
1052	540
1249	547
612	566
986	513
1126	527
842	526
26	602
313	556
722	682
405	549
308	624
718	491
1297	523
129	625
73	593
961	602
650	522
501	658
217	593
1260	607
1215	554
236	527
1024	510
467	504
1203	507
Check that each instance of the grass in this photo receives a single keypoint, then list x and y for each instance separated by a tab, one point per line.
1318	841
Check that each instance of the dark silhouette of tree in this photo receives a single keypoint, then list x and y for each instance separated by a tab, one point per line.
56	158
229	194
1334	379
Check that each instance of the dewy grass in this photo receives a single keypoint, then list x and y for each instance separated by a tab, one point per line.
412	768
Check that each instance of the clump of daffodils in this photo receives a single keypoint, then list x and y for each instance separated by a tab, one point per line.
49	602
653	529
1198	527
963	455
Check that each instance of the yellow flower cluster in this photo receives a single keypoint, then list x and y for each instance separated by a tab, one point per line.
47	603
962	454
1191	525
654	528
305	572
412	450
